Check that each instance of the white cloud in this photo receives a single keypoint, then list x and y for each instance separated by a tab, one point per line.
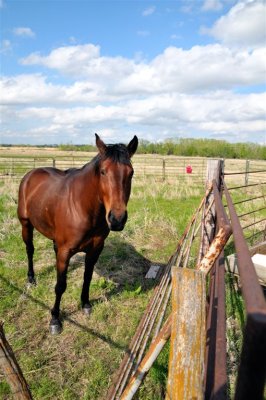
24	32
211	114
27	89
81	61
212	5
148	11
6	46
199	68
244	25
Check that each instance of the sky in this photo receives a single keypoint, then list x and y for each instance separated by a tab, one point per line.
156	69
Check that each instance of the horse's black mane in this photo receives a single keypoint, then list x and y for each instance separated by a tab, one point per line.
117	153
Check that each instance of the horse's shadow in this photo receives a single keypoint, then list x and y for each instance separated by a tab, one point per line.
122	265
119	264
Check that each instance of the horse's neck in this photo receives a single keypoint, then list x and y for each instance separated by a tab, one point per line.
89	188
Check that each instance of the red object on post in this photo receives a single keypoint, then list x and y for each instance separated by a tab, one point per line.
188	169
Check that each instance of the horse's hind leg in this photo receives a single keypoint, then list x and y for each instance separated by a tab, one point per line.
27	235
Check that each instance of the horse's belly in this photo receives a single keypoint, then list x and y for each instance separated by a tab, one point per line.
43	222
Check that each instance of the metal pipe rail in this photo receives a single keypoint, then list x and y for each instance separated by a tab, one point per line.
216	369
246	200
252	368
245	186
242	173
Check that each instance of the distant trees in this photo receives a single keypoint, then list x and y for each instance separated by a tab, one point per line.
186	147
204	148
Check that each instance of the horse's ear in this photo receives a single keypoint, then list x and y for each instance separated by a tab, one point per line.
100	144
132	146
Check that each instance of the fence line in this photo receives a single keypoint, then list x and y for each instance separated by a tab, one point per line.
167	167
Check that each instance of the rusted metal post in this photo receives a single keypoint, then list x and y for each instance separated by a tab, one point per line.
215	249
252	368
186	363
222	236
12	371
147	362
216	368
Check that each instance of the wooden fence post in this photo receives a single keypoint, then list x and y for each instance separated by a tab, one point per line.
188	336
12	371
214	172
246	173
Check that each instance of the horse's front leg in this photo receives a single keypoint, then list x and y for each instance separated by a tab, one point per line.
90	260
62	261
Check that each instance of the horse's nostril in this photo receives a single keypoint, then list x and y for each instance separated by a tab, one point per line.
117	222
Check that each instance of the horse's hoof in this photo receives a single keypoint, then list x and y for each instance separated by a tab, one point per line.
55	328
87	309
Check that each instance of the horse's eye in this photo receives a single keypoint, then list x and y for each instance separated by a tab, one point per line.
103	172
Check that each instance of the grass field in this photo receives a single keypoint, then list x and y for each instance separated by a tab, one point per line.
80	363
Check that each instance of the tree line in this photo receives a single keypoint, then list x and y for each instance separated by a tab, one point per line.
184	147
193	148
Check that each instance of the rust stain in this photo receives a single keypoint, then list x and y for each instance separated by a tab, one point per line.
186	363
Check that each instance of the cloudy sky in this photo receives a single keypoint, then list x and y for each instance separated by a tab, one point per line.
159	69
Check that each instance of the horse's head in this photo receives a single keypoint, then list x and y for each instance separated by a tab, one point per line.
115	173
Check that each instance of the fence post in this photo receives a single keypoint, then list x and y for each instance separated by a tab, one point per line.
11	370
163	169
186	361
54	162
247	171
214	172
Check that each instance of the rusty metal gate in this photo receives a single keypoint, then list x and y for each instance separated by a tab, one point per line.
197	322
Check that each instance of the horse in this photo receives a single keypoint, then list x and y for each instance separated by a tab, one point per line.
76	209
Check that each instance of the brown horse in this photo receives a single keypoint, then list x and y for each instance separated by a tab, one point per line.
76	209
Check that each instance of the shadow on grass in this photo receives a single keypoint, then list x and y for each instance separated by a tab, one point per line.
65	317
119	262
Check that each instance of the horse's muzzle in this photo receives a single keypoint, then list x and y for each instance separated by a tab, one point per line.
117	223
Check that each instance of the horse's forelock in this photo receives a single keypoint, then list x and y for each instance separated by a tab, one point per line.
117	153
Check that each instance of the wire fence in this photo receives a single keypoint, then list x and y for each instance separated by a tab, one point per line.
249	200
192	170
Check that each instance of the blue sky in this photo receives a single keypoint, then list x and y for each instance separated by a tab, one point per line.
158	69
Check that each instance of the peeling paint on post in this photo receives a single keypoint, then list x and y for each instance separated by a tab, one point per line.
215	249
186	363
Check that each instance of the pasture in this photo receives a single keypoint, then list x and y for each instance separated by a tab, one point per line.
80	363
